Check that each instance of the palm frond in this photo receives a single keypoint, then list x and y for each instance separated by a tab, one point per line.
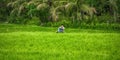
20	9
92	10
15	3
14	11
54	14
59	3
9	4
85	8
42	6
29	3
69	6
113	3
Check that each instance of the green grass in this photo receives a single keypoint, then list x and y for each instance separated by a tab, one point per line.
25	42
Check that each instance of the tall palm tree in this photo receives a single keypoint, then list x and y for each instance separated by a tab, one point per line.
114	7
75	10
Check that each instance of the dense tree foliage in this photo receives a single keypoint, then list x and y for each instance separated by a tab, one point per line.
68	12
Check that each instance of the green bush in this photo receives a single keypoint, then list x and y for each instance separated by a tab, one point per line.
22	20
34	21
16	20
105	18
64	22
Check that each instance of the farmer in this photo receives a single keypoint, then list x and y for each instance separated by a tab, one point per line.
61	29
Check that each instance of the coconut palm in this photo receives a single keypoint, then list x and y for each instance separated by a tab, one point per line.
114	7
45	9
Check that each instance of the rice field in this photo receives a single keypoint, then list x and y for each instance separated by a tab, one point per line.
28	42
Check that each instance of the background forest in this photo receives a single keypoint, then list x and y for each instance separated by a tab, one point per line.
71	13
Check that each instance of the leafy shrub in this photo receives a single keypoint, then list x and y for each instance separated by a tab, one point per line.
34	21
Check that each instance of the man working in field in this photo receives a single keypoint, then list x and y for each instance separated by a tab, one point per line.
61	29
